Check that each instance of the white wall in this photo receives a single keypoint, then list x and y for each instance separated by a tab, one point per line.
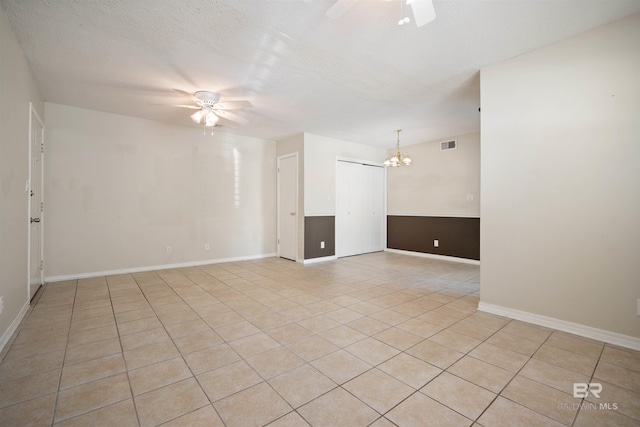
17	89
439	182
320	169
561	180
119	190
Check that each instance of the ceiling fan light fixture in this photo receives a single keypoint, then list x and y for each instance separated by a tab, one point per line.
211	119
197	116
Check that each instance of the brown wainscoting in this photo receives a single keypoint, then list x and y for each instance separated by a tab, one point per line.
319	229
458	237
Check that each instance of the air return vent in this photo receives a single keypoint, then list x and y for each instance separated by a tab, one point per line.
448	145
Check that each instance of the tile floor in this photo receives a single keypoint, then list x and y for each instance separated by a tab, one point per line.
380	339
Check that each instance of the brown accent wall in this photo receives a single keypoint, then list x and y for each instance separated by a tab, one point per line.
458	237
319	229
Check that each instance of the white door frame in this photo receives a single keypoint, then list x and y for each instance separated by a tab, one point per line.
33	113
279	226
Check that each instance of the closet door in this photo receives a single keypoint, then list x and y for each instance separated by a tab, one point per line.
359	208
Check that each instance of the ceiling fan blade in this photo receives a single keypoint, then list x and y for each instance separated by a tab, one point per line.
233	105
423	11
193	107
185	93
232	117
339	8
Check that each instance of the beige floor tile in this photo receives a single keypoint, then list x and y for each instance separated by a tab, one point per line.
236	330
292	419
398	338
419	410
144	338
489	320
198	341
420	328
222	382
172	401
94	322
312	348
505	413
623	377
130	316
253	344
552	375
265	405
337	408
18	368
378	390
35	412
543	399
372	351
274	362
343	315
91	370
92	335
203	417
179	330
158	375
621	357
514	343
269	321
289	333
628	402
454	340
211	309
462	396
435	354
410	370
142	356
174	317
368	325
301	385
138	325
473	330
390	317
119	414
29	387
343	336
438	319
341	366
500	357
318	323
211	358
566	359
527	330
382	422
481	373
91	396
575	344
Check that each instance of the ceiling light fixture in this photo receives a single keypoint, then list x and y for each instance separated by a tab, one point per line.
399	158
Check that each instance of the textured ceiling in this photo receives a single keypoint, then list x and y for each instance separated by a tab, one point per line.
357	78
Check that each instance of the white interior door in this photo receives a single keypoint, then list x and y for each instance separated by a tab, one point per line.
288	206
359	208
36	154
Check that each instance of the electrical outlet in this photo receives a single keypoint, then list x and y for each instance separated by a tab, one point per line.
469	197
436	243
321	245
206	247
2	304
169	250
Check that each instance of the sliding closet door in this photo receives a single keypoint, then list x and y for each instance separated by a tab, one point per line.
359	208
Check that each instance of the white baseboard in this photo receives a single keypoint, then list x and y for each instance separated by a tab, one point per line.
14	325
154	267
434	256
562	325
321	259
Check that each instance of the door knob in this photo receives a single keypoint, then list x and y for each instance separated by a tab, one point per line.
292	213
35	220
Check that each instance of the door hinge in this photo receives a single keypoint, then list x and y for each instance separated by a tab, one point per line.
41	206
278	241
41	264
42	147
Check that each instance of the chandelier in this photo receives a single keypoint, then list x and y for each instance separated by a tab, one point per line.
399	158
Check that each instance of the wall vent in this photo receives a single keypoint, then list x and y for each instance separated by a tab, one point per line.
448	145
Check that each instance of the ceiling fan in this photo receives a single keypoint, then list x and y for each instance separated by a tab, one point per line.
423	11
210	109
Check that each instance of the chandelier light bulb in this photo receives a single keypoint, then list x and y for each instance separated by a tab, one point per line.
197	116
